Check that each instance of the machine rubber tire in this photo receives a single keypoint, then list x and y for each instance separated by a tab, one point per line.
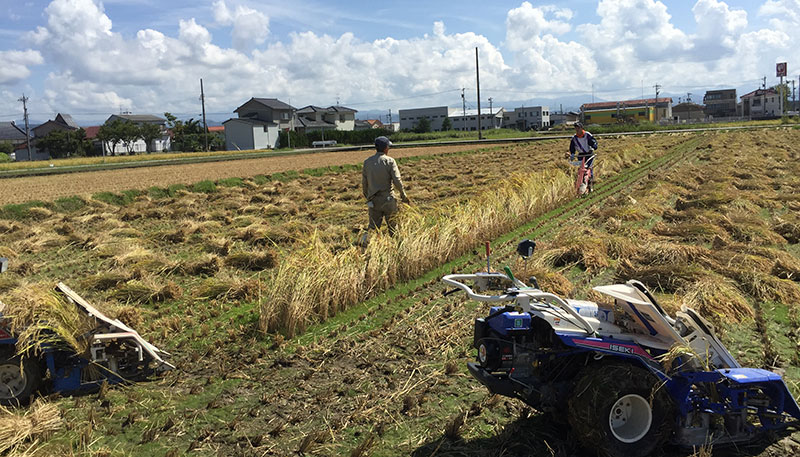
601	387
25	382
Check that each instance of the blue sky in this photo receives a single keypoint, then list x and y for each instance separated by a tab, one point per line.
92	59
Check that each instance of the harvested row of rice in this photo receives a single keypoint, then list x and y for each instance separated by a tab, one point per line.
17	428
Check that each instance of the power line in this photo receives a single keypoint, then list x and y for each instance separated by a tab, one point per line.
404	98
545	93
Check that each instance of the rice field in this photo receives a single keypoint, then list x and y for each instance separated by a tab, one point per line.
85	184
204	269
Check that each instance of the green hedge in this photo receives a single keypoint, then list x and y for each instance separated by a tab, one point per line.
300	140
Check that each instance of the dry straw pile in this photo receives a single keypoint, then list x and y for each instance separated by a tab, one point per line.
41	317
20	427
316	282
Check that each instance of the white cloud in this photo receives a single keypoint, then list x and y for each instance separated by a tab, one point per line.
152	72
718	29
106	70
789	9
323	67
250	27
784	16
642	28
78	22
541	60
95	68
15	65
526	22
71	95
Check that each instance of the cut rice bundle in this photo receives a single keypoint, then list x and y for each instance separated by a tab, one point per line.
41	317
41	420
665	278
717	298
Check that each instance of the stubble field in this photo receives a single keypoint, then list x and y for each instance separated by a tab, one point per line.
48	188
190	268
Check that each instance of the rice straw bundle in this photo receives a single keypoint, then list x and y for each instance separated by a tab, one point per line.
40	420
688	357
41	317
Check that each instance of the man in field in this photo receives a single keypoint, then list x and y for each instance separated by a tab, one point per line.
378	178
584	144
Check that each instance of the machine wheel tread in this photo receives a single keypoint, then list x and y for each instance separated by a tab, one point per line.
598	388
32	375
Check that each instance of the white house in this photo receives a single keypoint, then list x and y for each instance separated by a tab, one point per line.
409	118
459	119
317	118
268	110
244	134
258	124
761	103
528	117
490	119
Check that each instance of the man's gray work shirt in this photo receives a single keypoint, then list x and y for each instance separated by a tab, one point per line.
378	174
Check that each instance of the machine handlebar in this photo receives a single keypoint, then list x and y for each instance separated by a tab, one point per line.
455	281
512	294
578	163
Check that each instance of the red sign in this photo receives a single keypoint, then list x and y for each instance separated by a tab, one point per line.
780	69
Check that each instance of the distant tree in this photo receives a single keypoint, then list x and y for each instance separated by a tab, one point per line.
190	136
785	88
447	124
216	142
130	134
111	133
149	133
6	147
64	143
423	126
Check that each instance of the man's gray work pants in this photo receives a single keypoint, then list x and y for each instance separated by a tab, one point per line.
383	207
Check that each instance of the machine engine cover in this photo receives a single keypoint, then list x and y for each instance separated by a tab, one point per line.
509	322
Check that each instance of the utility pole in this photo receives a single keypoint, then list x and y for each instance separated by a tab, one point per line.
657	87
464	108
24	101
794	99
205	125
764	82
491	113
478	80
291	126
